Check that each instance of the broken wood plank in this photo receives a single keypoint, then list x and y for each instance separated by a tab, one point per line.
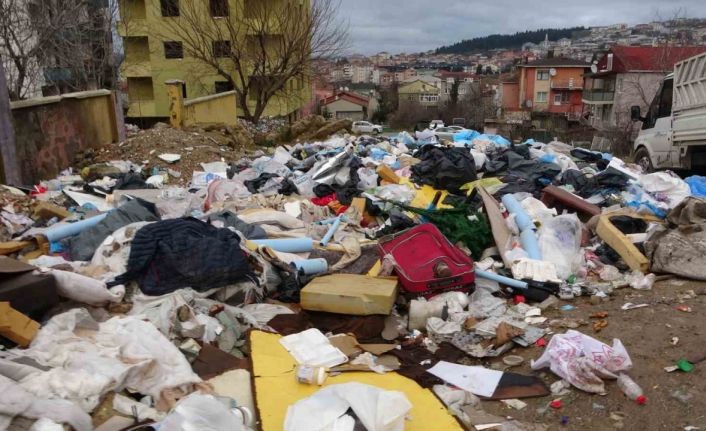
621	244
501	233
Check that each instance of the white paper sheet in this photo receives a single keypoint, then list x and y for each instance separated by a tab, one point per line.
476	380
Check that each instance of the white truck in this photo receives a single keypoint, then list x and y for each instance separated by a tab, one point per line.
673	134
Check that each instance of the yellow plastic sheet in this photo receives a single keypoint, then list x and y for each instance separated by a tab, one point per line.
276	388
483	182
425	195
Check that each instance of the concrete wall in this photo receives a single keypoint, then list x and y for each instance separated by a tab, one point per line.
50	131
219	108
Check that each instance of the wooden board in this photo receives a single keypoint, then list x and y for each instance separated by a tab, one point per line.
276	388
354	294
621	244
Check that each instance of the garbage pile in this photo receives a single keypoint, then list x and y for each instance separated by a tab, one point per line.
339	282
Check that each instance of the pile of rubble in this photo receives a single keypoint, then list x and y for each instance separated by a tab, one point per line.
344	282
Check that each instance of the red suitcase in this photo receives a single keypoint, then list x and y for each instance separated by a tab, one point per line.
427	263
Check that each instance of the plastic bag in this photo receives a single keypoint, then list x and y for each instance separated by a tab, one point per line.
203	413
560	242
86	289
584	361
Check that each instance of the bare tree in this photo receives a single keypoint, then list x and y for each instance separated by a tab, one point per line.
263	48
68	41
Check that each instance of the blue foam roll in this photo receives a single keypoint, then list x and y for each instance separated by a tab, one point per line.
288	245
500	279
65	230
331	231
523	221
528	239
311	266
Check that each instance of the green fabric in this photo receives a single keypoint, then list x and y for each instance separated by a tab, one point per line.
456	226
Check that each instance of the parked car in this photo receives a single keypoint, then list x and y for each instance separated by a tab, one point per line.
435	124
366	127
446	133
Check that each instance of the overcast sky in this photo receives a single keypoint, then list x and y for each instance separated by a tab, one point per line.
419	25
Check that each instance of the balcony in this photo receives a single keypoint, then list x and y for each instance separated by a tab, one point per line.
598	97
567	84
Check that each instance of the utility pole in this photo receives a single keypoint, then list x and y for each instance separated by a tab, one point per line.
8	150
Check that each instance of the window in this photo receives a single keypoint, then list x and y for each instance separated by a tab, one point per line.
183	90
221	48
428	97
219	8
169	7
462	90
542	75
541	97
665	99
561	98
173	50
223	86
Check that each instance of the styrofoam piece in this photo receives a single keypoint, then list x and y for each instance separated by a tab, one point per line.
169	157
312	348
537	270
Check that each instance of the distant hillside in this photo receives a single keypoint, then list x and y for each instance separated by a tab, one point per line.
507	41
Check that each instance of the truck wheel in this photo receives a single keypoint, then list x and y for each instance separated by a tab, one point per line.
642	158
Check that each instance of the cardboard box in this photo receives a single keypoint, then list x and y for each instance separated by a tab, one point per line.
354	294
15	326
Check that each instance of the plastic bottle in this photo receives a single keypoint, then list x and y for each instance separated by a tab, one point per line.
631	389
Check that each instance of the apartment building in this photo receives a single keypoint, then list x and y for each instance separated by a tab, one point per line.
150	60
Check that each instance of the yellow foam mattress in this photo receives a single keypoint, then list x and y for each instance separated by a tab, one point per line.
276	388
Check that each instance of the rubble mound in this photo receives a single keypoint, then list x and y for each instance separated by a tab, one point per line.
195	145
317	127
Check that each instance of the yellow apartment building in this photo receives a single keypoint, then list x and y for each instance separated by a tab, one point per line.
151	59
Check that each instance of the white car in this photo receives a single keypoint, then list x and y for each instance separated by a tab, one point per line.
366	127
447	133
436	124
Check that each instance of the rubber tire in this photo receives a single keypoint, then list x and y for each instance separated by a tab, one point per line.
376	132
643	154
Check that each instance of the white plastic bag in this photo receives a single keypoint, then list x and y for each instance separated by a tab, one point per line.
202	413
86	289
560	242
584	361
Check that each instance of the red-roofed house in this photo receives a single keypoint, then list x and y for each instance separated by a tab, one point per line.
346	104
627	76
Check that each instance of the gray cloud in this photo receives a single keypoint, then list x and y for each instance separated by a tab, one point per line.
419	25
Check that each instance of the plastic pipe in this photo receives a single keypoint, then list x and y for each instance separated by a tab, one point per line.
311	266
528	239
500	279
523	221
59	232
334	227
288	245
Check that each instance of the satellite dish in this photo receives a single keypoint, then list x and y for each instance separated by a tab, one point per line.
552	71
594	68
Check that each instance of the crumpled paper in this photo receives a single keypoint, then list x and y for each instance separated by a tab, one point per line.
584	361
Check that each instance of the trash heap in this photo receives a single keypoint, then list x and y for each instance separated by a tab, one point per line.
353	281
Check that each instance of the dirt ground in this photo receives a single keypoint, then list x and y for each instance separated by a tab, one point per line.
647	335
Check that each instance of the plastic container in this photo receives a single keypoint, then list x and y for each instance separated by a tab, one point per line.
631	389
311	375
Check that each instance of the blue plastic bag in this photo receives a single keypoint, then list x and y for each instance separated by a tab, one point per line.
697	184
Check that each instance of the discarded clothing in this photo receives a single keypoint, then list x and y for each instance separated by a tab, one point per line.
444	168
229	219
173	254
83	246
